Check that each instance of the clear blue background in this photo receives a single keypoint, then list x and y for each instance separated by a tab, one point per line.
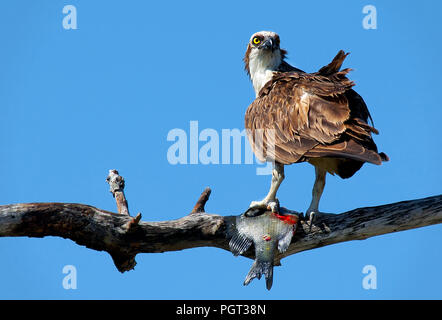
76	103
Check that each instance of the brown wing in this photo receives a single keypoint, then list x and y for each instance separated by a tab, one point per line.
357	105
298	116
335	65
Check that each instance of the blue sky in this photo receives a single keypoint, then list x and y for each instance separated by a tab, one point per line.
76	103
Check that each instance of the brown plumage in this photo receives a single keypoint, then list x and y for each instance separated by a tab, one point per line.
312	116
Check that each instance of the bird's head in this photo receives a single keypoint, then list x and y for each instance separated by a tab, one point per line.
263	55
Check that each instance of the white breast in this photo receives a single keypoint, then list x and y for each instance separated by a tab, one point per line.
261	66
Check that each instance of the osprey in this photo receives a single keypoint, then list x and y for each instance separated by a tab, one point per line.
298	116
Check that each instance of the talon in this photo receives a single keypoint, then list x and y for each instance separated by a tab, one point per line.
257	204
313	216
273	206
256	207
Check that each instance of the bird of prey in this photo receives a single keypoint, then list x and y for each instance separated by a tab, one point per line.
298	116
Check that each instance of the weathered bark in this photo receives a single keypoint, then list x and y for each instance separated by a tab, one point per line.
116	184
123	236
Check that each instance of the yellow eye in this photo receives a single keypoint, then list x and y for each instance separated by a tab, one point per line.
256	40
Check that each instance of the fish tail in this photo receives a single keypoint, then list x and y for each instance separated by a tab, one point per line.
258	269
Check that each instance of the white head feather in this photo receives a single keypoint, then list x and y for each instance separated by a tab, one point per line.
262	63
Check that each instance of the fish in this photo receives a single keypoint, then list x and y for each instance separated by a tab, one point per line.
268	232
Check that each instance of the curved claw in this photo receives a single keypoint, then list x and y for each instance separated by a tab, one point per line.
273	206
313	216
256	207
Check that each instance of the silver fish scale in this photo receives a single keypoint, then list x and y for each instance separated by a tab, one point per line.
255	228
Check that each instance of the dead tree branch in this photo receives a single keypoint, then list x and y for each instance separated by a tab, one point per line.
123	236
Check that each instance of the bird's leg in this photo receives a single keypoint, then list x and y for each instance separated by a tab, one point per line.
318	188
270	201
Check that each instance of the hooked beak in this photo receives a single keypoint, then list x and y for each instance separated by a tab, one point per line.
267	45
